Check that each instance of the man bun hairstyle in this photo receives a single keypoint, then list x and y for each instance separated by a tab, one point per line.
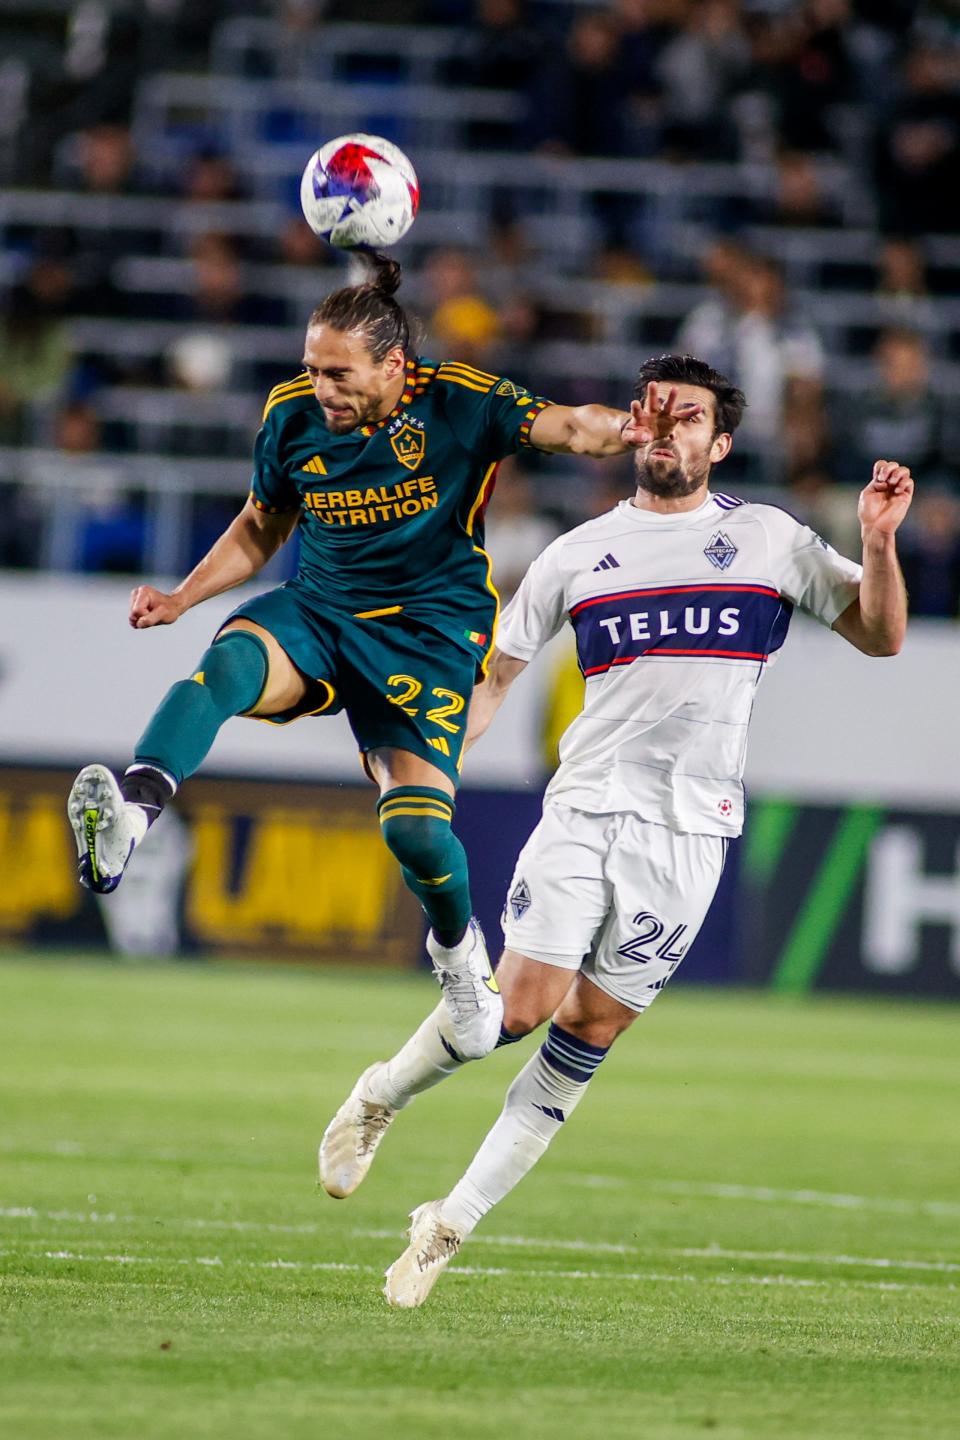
730	402
369	308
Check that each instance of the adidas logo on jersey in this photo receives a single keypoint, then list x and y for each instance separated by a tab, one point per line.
609	562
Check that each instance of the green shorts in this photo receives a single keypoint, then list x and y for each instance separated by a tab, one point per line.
402	684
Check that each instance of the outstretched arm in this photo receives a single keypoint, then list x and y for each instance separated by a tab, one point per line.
502	670
599	431
876	622
244	548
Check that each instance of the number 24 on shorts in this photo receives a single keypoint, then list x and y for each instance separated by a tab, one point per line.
410	689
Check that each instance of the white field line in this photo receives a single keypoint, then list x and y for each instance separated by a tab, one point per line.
628	1276
709	1189
587	1247
763	1193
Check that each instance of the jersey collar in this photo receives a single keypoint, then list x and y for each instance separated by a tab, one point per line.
656	517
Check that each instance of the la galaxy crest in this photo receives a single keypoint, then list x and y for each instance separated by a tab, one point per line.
409	442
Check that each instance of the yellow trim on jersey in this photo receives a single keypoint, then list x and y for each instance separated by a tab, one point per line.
436	814
272	509
479	550
290	390
467	384
372	614
469	370
286	384
488	475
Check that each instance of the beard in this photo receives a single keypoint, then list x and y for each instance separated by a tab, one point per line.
365	414
668	479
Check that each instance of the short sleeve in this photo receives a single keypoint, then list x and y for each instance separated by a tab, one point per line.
810	573
491	415
272	489
537	611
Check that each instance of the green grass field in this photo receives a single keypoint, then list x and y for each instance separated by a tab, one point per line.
750	1229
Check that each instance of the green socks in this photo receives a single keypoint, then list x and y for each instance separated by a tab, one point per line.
229	681
416	826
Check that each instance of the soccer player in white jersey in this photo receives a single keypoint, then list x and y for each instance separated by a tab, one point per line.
679	597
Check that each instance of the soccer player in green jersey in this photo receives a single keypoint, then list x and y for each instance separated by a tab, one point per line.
386	462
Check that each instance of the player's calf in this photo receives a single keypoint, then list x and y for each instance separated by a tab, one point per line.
416	821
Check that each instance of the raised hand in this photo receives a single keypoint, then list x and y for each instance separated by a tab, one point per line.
152	607
886	500
655	419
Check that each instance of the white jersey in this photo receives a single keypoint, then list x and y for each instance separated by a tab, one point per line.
676	618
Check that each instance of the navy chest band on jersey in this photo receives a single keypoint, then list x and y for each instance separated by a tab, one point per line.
731	622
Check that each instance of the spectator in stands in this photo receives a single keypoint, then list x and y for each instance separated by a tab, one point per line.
900	416
296	244
779	356
930	555
902	285
830	508
709	329
776	357
520	328
578	92
35	355
799	200
818	76
105	162
221	294
462	321
503	49
901	273
699	70
750	327
918	151
212	176
110	522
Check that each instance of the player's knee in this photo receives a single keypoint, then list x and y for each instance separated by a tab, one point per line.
234	670
416	829
596	1030
521	1016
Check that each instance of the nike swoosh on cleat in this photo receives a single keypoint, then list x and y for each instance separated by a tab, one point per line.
90	835
491	983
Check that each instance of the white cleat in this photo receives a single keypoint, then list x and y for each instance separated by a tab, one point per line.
470	990
105	826
432	1246
350	1140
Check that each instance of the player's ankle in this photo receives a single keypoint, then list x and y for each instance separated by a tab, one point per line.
147	788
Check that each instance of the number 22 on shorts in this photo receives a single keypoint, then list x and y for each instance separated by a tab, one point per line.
410	689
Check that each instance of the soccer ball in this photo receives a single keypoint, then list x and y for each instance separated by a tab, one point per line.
359	190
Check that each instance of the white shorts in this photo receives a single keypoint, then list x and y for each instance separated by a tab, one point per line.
617	897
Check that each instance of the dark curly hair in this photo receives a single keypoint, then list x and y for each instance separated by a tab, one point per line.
687	370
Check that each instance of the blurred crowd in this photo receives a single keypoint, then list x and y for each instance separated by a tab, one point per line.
783	83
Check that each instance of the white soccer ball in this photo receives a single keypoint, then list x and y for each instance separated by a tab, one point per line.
359	190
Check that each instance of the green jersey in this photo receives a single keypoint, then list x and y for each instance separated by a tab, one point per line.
391	514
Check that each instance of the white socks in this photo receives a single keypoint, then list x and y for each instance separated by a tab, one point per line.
428	1057
543	1096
